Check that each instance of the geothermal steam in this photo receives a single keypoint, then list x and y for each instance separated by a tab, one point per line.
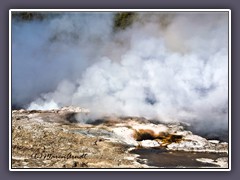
165	66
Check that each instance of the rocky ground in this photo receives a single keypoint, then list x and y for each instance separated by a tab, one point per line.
55	139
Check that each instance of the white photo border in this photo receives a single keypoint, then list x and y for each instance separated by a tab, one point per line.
120	10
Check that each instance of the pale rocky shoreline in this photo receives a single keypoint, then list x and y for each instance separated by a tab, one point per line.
54	139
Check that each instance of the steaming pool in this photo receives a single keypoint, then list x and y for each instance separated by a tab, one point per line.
162	158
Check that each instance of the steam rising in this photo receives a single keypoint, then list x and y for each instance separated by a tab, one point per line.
165	66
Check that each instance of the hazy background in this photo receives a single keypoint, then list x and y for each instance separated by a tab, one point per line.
172	67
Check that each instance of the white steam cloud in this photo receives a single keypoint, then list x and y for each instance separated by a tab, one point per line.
165	66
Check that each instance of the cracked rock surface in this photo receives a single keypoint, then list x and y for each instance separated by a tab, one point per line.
55	139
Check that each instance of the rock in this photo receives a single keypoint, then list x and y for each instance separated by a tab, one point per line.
214	141
149	143
74	109
221	162
106	144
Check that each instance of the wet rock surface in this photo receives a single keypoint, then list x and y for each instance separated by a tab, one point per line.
55	139
163	158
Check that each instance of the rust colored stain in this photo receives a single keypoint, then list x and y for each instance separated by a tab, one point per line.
148	134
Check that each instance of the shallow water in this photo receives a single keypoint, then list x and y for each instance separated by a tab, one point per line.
163	158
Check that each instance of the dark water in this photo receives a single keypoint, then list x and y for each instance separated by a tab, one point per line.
175	159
